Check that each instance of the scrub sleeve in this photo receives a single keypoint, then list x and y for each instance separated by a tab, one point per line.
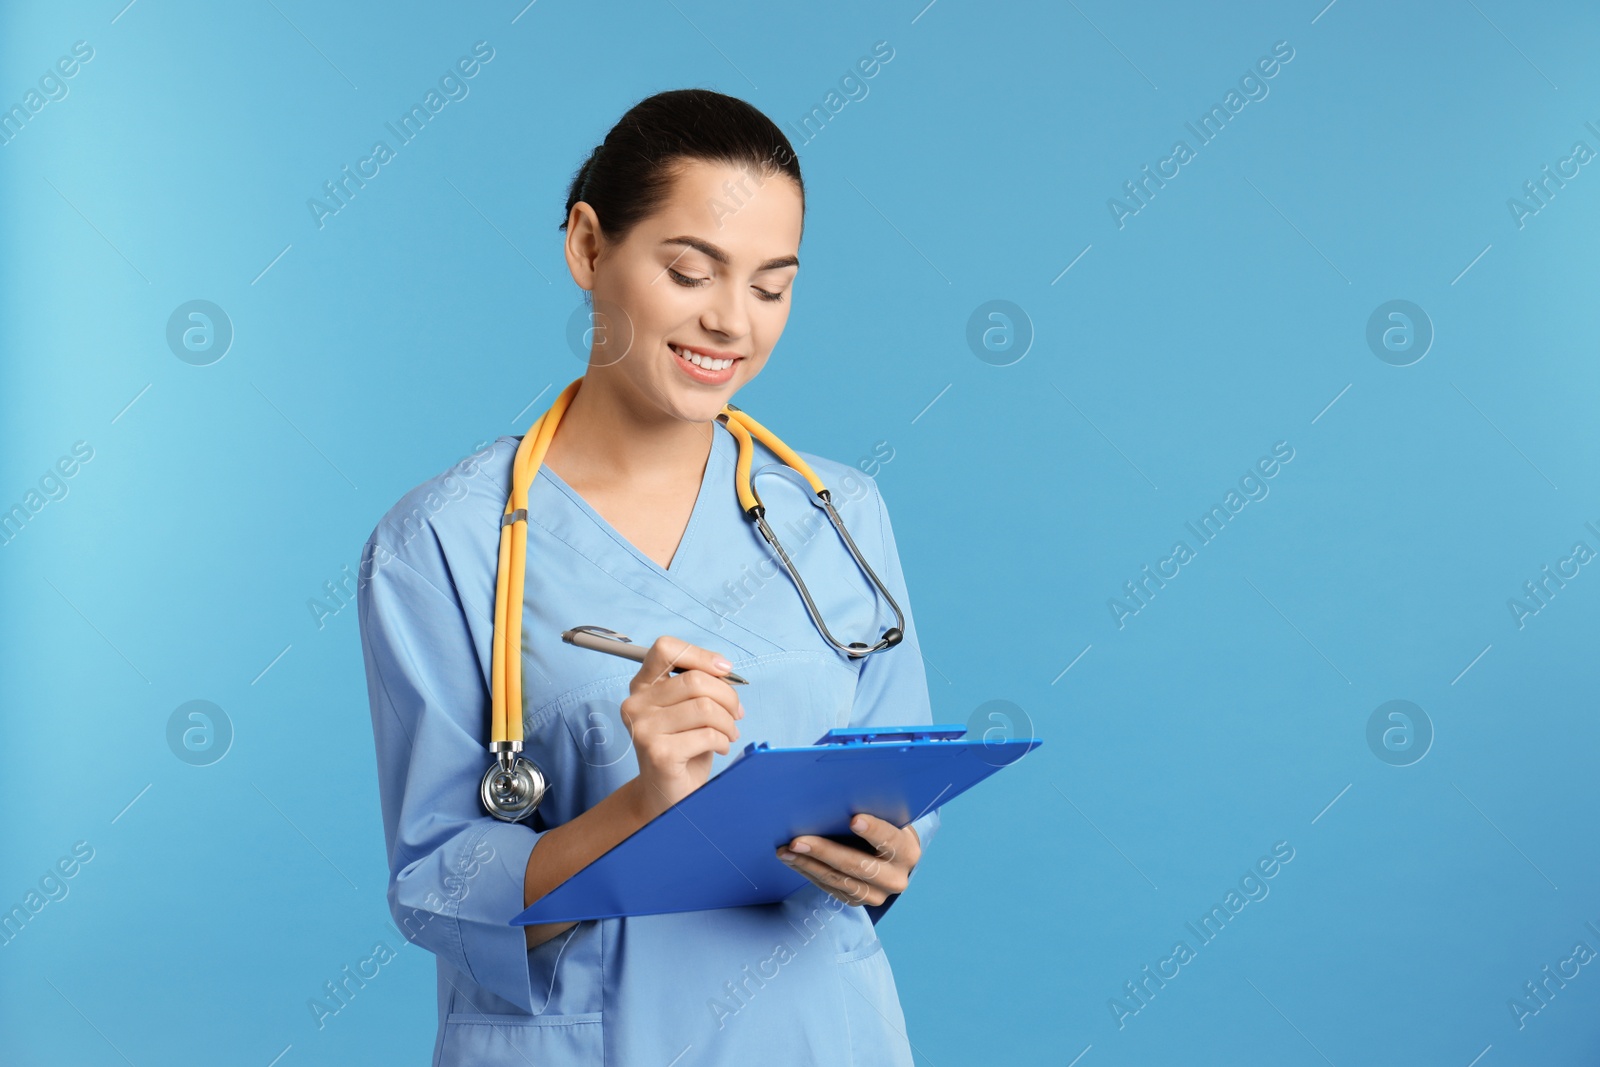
427	712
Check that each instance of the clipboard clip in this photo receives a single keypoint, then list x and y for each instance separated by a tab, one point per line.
867	735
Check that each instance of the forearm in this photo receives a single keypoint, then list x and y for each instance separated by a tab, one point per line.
565	850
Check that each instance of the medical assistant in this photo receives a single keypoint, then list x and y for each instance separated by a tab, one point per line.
804	981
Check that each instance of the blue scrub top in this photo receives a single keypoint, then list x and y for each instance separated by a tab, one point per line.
804	981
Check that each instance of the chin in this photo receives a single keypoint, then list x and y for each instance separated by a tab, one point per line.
698	401
699	405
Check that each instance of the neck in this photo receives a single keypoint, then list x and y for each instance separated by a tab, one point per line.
608	437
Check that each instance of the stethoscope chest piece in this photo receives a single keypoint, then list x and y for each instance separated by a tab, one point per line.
512	786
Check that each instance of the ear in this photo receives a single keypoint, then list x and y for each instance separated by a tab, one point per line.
583	244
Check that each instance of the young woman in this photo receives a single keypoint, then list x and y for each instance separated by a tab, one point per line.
685	227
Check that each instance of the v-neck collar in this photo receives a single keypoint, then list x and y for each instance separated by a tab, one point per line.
719	467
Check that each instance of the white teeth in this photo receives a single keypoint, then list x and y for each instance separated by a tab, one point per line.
701	361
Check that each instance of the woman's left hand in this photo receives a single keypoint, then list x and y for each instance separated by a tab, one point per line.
851	875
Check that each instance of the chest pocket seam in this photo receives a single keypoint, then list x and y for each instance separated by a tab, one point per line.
667	577
842	679
562	702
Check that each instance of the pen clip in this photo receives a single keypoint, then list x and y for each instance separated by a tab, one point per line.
599	631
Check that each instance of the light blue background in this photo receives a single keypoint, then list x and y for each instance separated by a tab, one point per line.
1229	314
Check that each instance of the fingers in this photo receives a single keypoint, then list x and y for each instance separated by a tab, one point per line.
652	724
667	653
848	872
684	745
889	841
696	683
691	715
684	703
848	862
834	882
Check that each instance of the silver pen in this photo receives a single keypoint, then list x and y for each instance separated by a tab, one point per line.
600	639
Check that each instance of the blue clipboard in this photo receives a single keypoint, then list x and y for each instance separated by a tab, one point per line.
716	848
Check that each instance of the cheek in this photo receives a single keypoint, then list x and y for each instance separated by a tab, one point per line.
761	348
661	309
750	368
770	323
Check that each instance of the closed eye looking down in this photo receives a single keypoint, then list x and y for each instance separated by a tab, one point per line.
693	283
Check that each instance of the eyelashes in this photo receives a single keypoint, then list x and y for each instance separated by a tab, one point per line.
692	283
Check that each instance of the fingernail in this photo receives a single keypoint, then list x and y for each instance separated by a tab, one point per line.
858	825
800	846
785	856
722	664
740	713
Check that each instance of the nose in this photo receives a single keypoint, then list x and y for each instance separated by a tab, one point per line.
725	314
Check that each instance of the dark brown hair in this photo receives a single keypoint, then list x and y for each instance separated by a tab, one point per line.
630	173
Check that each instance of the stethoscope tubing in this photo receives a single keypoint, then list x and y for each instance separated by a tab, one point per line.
513	787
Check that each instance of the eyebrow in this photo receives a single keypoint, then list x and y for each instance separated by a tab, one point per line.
720	256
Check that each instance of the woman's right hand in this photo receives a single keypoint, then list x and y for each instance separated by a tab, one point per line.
678	721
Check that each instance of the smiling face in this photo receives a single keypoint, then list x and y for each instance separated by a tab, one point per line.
689	305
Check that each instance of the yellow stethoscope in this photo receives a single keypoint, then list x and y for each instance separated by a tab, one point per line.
513	786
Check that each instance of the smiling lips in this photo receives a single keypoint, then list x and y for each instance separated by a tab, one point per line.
708	367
